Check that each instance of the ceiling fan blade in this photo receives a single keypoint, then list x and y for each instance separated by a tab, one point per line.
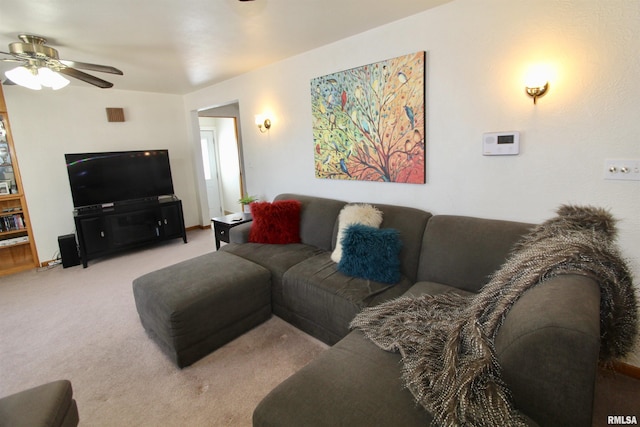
88	78
92	67
11	58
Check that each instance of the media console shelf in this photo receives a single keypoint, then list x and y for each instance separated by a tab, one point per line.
105	231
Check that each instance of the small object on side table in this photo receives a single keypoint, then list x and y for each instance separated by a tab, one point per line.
222	225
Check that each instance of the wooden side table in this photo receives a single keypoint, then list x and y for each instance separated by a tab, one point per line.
222	225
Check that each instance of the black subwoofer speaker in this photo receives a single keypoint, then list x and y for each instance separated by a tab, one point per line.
68	250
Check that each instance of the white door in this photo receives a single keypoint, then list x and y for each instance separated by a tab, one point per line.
211	176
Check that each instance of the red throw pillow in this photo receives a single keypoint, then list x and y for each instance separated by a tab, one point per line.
277	222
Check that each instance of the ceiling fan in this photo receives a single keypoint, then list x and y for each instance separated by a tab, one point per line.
36	58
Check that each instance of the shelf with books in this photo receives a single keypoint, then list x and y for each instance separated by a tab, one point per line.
17	247
13	241
13	222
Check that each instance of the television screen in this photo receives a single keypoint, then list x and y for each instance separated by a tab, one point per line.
104	178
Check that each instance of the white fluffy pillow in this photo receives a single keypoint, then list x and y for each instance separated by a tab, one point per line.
355	214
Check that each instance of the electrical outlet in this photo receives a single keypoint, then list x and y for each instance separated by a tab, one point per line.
622	169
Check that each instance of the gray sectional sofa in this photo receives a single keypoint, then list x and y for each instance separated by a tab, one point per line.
547	346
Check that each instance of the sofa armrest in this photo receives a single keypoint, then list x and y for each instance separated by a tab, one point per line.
48	405
548	348
240	233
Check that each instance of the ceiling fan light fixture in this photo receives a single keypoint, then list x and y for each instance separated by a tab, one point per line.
43	67
51	79
25	77
35	78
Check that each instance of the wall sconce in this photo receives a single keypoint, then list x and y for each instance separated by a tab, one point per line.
537	91
263	123
537	81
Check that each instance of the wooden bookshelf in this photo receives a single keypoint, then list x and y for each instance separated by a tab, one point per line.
17	247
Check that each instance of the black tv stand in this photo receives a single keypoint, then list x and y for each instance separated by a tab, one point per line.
105	230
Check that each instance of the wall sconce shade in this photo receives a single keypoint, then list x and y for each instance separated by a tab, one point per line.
536	79
537	91
35	78
263	123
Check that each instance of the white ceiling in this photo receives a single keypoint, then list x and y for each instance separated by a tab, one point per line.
177	46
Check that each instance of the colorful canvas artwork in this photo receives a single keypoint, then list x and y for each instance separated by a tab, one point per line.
369	122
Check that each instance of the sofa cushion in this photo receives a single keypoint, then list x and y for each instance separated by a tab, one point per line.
275	258
318	219
327	300
359	213
275	223
354	384
410	222
371	253
463	251
432	288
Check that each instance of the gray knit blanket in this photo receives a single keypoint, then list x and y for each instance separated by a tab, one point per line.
446	341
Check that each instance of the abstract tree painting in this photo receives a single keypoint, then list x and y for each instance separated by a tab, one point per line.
368	122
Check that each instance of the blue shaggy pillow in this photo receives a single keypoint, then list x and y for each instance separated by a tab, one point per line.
371	253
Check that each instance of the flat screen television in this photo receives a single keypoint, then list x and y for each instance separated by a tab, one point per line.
99	179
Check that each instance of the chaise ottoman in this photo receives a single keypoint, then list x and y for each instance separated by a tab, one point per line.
196	306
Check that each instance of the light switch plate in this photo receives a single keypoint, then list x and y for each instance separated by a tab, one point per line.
622	169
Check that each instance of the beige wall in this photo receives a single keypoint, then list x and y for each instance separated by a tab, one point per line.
46	125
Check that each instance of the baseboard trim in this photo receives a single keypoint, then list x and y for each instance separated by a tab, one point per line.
626	369
198	227
50	263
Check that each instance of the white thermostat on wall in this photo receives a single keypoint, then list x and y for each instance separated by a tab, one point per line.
501	143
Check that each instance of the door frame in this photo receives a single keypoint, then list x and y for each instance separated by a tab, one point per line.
231	109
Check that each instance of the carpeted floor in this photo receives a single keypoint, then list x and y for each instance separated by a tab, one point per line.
81	324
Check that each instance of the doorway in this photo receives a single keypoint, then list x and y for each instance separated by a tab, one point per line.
222	160
210	165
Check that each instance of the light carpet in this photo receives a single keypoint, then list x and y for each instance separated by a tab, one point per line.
81	324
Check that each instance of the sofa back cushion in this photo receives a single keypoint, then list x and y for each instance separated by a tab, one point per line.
318	219
410	223
464	251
